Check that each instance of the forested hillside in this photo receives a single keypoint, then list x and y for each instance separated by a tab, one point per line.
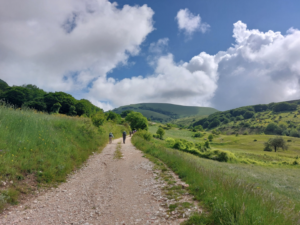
53	102
275	118
163	112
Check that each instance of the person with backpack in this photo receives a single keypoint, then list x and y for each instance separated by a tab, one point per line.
124	136
110	137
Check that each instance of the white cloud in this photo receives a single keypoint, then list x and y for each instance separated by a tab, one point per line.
190	23
261	67
190	83
65	45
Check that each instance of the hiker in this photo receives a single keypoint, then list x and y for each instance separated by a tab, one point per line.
130	133
110	137
124	136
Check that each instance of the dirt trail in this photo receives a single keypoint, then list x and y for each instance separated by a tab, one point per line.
104	191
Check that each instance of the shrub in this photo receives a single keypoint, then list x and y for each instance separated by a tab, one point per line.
254	140
198	134
160	132
294	133
245	133
179	145
210	137
98	118
271	128
170	141
145	134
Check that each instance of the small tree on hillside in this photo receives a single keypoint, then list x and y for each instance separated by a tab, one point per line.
160	132
210	137
276	142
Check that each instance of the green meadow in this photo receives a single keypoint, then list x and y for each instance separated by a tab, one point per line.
44	149
272	172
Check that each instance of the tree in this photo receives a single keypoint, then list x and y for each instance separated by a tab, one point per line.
72	111
55	108
248	114
161	132
210	137
271	128
284	106
125	113
98	118
214	123
16	95
137	121
276	142
110	115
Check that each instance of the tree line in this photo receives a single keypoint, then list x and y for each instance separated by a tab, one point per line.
52	102
242	113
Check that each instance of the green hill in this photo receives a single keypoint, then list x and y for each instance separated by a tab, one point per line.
282	118
163	112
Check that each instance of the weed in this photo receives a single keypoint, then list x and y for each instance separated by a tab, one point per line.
118	153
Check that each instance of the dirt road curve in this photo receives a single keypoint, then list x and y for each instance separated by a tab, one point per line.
105	191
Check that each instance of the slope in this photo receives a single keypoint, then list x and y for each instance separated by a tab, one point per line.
163	112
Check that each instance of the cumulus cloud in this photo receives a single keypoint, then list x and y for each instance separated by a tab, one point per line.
65	45
71	45
261	67
190	23
191	83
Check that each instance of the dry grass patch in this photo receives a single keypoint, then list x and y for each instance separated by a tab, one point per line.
118	154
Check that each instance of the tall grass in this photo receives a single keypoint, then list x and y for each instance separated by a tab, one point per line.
228	200
47	146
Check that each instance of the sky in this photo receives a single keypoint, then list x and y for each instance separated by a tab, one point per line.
216	53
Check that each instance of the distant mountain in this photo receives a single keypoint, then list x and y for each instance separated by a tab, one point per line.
163	112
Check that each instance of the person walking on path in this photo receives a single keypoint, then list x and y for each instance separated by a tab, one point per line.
130	133
124	136
110	137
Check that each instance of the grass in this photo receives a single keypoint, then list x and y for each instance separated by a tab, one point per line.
230	198
118	153
47	147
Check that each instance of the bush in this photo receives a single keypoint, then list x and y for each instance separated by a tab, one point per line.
179	145
271	128
145	134
161	132
245	133
294	133
98	118
170	142
198	134
210	137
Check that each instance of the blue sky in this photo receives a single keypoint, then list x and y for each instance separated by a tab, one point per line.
216	53
274	15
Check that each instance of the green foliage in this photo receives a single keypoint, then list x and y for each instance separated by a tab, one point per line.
284	106
110	115
30	96
161	132
210	137
55	108
198	134
294	133
46	147
144	134
228	199
276	142
137	121
161	112
125	113
98	119
170	142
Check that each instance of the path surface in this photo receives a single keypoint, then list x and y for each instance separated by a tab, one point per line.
104	191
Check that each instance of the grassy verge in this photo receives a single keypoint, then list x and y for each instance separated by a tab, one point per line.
229	199
43	148
118	153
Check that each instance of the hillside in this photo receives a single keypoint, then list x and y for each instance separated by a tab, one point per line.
163	112
281	118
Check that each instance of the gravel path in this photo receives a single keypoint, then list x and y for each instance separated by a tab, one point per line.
104	191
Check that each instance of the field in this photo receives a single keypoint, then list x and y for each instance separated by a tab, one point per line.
162	112
42	149
268	171
227	192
